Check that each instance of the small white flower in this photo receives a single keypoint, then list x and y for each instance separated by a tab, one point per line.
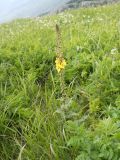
114	51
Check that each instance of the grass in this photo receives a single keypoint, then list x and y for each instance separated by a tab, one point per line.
36	121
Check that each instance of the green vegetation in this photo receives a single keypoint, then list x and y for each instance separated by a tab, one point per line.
38	122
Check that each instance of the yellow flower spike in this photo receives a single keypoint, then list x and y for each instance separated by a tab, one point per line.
60	64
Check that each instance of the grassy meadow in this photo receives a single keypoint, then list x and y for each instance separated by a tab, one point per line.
46	115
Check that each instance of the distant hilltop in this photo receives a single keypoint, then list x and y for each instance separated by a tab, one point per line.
14	9
85	3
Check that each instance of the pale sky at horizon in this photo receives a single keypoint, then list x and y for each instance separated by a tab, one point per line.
11	9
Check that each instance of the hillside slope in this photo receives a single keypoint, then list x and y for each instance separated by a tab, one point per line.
71	115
